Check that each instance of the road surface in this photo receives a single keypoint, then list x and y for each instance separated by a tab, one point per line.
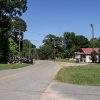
26	83
64	91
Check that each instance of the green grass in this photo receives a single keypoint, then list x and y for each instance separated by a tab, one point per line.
12	66
83	75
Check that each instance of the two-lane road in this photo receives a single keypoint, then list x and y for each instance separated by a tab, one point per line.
26	83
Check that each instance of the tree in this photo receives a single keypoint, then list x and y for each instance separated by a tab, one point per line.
12	46
19	26
81	42
9	9
94	56
12	7
99	55
28	49
69	43
5	26
96	43
45	52
13	49
52	47
69	39
73	43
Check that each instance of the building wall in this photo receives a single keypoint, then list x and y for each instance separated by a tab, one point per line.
88	58
97	58
77	56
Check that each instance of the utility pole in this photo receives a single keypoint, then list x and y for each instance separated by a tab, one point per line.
92	36
36	53
29	49
19	44
54	49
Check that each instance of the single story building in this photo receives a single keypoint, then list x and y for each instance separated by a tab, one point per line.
84	55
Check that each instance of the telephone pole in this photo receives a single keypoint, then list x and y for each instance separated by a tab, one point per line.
92	35
54	49
29	49
19	39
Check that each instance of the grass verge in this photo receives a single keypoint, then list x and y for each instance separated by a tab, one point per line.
83	75
12	66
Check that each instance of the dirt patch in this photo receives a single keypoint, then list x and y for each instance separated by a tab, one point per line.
67	64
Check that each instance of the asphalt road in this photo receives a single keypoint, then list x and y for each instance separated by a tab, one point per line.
64	91
26	83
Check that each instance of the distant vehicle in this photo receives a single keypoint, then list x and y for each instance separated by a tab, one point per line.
29	60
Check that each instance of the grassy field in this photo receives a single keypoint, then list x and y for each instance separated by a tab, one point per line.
84	75
12	66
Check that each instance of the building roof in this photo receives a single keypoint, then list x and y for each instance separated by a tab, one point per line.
89	50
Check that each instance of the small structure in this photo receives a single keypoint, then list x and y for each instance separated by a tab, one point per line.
84	55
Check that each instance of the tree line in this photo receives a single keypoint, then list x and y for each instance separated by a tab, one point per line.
12	28
65	46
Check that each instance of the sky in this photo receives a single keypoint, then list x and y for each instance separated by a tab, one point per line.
45	17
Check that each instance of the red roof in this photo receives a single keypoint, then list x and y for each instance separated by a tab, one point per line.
89	50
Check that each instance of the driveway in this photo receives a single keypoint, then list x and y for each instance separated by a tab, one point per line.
27	83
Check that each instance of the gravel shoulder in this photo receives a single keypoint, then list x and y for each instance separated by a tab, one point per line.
67	64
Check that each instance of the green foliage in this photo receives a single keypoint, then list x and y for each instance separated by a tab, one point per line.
52	47
19	24
73	43
69	39
12	7
81	41
94	56
96	43
83	75
13	47
4	48
62	47
9	9
28	49
45	52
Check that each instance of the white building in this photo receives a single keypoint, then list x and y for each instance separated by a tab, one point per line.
84	55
